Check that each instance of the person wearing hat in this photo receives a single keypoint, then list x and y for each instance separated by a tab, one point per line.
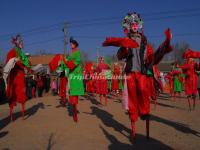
102	82
137	66
191	80
16	77
75	78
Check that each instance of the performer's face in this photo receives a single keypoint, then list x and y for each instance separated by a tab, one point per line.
20	45
73	46
135	27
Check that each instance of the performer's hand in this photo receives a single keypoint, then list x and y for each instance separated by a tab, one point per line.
17	59
168	34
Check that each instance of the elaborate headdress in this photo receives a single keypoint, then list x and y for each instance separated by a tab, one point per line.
131	18
17	40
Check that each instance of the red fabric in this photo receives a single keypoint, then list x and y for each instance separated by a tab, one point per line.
54	62
63	88
169	77
115	78
157	76
149	54
88	67
120	42
90	86
73	100
70	64
16	82
176	72
189	53
151	87
102	85
138	100
40	83
102	66
115	83
190	78
168	34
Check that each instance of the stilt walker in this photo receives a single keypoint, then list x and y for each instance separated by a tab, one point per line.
89	78
63	88
133	50
189	69
76	87
169	79
102	82
16	63
115	79
177	86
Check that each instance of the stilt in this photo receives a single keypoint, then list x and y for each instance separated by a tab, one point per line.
189	104
106	100
23	106
75	117
133	130
194	103
147	128
11	113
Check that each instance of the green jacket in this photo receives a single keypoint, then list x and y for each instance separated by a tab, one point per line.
75	78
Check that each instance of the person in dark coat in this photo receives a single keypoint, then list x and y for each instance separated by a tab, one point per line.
2	88
47	83
28	87
40	86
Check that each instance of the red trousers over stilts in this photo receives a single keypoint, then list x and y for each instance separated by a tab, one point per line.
63	88
138	100
90	86
74	101
115	83
151	88
191	84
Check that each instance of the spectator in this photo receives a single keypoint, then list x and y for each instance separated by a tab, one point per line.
40	86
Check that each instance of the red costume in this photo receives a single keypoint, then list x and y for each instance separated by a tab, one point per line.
136	67
89	75
63	89
191	78
16	78
16	83
115	78
102	83
169	78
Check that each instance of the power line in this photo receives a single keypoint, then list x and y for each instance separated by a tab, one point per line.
38	29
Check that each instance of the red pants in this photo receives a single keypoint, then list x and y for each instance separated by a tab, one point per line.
90	86
115	83
138	100
73	100
191	83
151	88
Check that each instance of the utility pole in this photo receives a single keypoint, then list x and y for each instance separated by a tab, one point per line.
98	48
65	38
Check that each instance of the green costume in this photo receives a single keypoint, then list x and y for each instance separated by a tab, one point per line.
121	87
177	82
75	78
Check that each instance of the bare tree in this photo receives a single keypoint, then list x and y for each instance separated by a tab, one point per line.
178	50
